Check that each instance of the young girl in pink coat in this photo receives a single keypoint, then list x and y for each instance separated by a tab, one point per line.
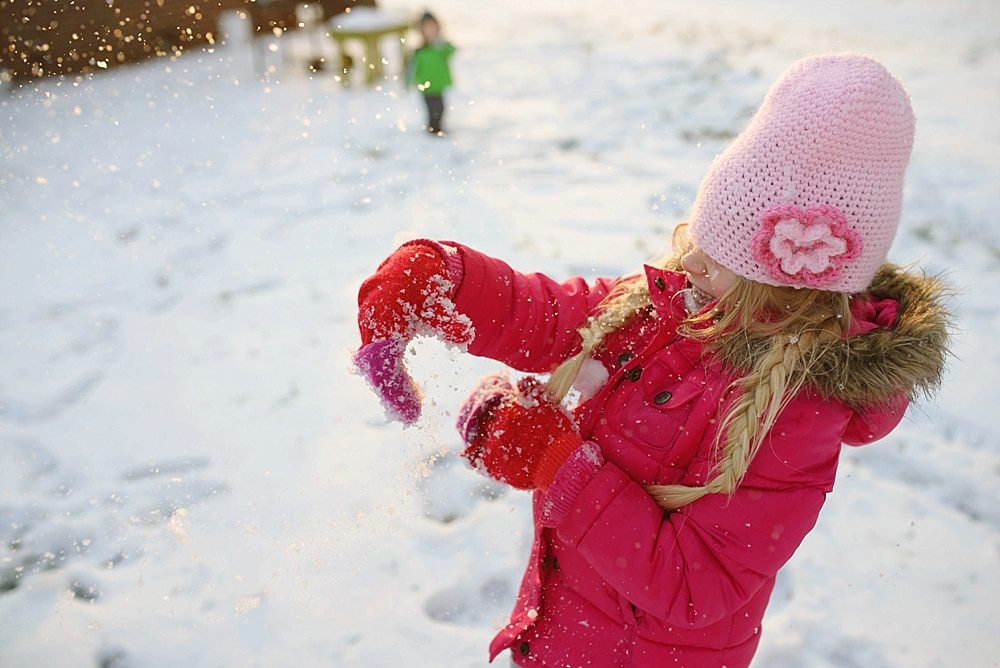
715	387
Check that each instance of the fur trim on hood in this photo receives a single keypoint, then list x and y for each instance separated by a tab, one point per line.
870	369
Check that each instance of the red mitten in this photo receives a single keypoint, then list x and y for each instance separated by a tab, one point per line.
410	291
410	288
524	439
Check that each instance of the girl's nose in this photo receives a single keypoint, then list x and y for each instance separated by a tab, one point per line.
694	263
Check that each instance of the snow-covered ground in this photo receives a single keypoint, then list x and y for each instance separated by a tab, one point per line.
189	473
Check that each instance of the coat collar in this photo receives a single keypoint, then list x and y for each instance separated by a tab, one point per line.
898	343
665	292
898	338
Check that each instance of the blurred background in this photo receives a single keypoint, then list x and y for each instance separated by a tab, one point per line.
191	193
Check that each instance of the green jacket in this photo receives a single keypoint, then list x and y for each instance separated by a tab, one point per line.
431	73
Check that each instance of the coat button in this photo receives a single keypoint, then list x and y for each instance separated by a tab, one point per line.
633	374
662	397
624	357
524	648
660	284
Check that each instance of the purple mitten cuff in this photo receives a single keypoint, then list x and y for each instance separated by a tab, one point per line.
578	469
452	260
381	364
486	396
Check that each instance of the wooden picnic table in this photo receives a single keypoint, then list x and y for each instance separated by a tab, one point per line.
368	26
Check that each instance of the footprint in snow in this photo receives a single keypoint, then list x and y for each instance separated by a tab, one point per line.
165	467
451	490
471	604
57	518
26	411
113	657
853	652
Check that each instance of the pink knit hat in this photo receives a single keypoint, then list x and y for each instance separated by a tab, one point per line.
810	193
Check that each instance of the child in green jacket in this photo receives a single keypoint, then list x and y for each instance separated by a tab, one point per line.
431	73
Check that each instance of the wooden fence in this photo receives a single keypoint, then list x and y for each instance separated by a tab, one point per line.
51	37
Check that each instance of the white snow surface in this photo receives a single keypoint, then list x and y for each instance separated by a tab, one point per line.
191	476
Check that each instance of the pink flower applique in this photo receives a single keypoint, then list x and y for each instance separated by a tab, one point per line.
809	246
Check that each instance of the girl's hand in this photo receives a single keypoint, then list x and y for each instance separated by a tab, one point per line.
480	404
515	434
410	293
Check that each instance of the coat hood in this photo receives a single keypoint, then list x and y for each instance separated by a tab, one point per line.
871	368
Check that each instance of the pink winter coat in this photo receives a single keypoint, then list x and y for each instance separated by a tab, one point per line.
621	582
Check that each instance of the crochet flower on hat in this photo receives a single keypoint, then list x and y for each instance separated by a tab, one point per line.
805	246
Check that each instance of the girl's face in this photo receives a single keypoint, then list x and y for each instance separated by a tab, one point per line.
429	30
705	274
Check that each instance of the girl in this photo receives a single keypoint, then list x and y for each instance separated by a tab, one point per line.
716	387
431	72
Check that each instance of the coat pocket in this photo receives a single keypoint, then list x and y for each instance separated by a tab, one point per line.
655	412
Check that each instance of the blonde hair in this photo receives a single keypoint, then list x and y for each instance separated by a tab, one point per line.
798	325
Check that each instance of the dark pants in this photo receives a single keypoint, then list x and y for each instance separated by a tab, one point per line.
435	110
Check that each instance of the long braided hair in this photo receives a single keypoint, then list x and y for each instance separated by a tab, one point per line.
798	325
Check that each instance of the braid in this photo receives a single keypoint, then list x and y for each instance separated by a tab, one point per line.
776	377
758	403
